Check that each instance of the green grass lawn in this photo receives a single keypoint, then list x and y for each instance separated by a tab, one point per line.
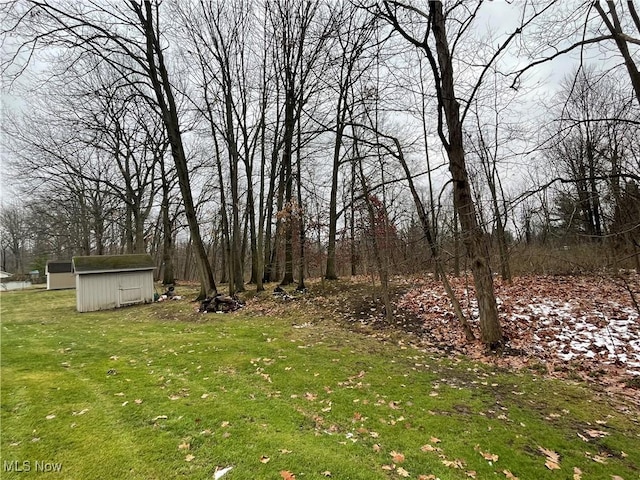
160	392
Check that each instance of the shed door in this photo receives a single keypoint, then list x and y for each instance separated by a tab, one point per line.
130	288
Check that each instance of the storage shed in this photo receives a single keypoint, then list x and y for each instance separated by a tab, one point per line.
60	275
112	281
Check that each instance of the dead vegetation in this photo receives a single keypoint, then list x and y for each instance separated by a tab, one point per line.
574	327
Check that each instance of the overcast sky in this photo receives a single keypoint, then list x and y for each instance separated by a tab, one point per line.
499	17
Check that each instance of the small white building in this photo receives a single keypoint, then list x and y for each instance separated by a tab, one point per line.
60	275
112	281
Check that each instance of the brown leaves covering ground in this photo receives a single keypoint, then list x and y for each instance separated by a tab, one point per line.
564	326
586	325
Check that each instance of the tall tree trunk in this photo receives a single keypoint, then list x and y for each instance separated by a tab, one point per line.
168	275
352	221
614	26
164	95
289	129
473	236
300	213
435	254
331	273
271	244
377	254
237	275
227	262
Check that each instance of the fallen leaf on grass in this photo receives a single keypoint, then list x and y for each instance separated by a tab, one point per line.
509	475
429	448
491	457
326	473
596	433
138	401
159	417
434	440
427	477
50	417
553	459
471	474
616	477
453	463
189	457
287	475
486	455
551	465
577	473
184	446
402	472
264	459
397	457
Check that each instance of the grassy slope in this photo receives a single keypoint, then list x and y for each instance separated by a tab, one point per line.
268	394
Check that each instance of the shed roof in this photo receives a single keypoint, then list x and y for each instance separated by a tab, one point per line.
112	263
59	266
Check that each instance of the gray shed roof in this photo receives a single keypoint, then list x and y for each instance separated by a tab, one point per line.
112	263
59	266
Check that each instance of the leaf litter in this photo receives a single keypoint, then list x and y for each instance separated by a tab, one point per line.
586	325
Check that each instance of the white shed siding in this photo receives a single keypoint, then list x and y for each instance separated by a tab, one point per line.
102	291
135	287
58	281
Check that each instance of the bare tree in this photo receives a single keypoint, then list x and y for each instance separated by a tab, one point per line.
126	36
560	37
354	35
218	36
301	38
15	234
590	143
440	58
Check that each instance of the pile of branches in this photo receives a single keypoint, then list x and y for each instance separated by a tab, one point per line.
220	303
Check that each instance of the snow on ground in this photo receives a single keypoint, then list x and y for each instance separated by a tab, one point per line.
586	322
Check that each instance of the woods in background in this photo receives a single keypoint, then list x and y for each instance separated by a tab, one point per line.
272	141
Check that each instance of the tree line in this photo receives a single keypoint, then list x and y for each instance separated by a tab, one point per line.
252	141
